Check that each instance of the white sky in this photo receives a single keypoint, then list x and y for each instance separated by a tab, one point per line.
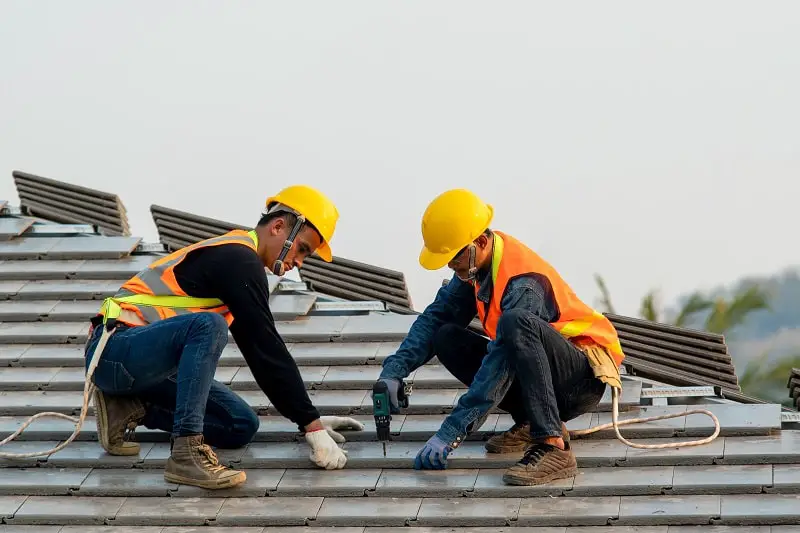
658	144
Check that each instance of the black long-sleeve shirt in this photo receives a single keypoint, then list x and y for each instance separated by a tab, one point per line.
234	274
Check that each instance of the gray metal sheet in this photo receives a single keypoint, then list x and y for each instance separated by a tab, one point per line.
568	511
289	306
328	353
9	505
66	510
11	228
42	332
377	327
294	511
16	311
10	288
68	289
721	479
20	378
367	511
52	355
125	482
27	247
742	509
426	483
466	512
93	247
10	354
312	328
122	268
346	482
74	311
39	269
168	511
41	481
667	510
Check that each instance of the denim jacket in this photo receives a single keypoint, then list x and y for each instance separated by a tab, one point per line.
456	303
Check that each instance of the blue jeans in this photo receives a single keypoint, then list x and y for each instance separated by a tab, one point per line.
170	365
553	380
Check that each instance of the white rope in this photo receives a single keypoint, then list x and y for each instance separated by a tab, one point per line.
615	423
88	390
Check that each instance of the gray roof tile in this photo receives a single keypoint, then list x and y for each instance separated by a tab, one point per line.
13	227
45	302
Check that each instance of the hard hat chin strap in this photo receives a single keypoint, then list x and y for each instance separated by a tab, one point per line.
278	267
472	274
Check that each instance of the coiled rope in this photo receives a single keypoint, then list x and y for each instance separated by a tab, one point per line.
88	390
616	423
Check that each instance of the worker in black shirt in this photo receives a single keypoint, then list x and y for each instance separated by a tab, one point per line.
159	339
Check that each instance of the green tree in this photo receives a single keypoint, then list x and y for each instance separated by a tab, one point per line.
723	314
768	380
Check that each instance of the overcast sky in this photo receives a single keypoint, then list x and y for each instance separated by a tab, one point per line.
656	143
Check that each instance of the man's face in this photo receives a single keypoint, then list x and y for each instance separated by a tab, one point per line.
460	263
304	245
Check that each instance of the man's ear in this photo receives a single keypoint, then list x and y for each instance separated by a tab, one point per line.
482	241
277	226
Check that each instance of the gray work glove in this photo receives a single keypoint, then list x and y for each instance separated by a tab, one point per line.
393	386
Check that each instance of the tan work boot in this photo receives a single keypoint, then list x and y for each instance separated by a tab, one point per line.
194	463
542	463
117	418
517	439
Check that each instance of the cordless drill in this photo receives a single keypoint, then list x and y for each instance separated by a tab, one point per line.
381	409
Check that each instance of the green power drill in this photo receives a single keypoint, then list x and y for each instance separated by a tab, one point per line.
381	408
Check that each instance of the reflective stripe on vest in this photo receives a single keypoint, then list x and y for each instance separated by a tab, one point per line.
154	294
576	321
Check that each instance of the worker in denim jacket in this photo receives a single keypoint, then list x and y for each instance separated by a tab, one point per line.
546	360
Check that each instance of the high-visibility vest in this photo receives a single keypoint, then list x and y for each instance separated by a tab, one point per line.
576	320
154	294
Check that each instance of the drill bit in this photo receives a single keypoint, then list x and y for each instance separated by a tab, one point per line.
384	449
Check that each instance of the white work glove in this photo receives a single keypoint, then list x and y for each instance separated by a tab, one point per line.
324	451
332	423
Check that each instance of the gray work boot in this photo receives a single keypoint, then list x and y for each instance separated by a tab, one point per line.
117	418
517	439
194	463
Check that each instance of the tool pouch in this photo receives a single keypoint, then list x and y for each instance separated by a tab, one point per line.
603	365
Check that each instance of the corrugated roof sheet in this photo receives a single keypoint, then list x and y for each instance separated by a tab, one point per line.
59	201
342	278
747	476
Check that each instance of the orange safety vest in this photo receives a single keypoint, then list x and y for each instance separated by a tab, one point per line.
158	280
576	321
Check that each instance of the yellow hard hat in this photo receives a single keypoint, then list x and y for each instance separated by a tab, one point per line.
452	220
318	209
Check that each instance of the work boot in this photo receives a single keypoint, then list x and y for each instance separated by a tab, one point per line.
517	439
542	463
117	418
194	463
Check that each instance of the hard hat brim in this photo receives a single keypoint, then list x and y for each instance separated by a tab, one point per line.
324	251
434	261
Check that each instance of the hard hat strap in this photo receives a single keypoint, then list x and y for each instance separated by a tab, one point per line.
472	274
277	267
473	270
